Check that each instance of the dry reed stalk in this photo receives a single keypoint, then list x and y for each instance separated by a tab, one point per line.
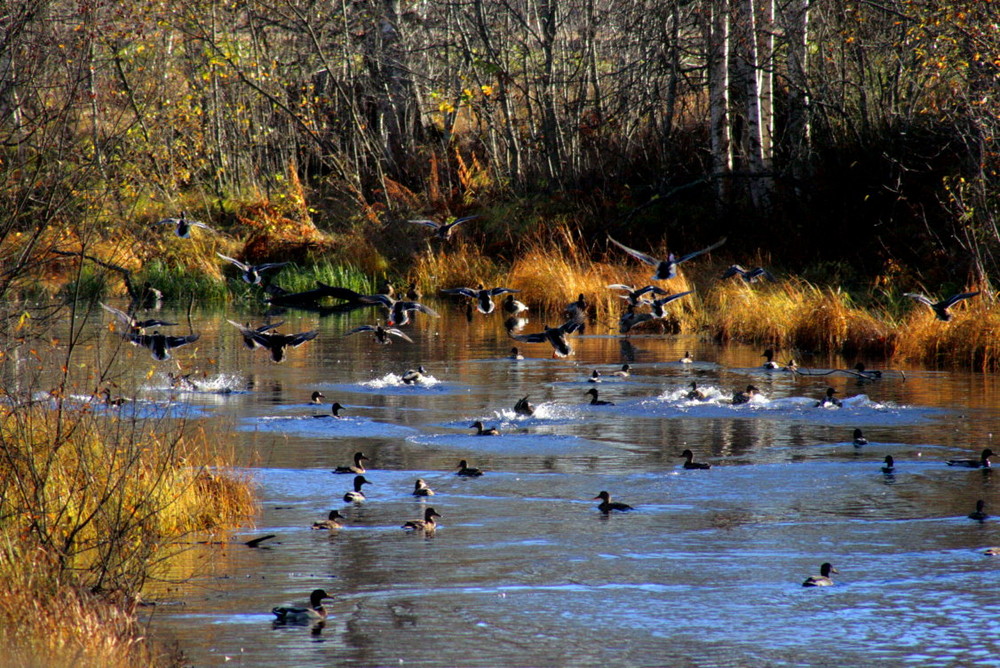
971	339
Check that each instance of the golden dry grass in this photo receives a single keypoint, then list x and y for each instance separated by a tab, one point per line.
971	339
796	314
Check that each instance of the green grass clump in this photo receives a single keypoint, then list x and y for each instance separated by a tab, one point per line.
296	278
178	282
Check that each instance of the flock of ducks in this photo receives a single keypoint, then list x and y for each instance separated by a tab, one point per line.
399	311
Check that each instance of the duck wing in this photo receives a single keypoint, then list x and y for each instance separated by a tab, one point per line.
426	223
648	259
954	299
465	292
362	328
695	254
399	333
235	262
919	297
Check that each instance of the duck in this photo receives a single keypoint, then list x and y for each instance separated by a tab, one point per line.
594	401
595	377
466	471
515	354
315	397
689	462
746	395
443	231
412	376
385	288
607	505
381	334
983	461
356	468
335	409
137	326
253	273
357	496
624	372
183	225
555	336
250	340
480	431
978	514
524	407
150	297
687	359
399	311
181	381
274	342
420	488
483	296
513	306
577	310
828	399
890	465
859	439
635	294
426	525
333	521
630	319
992	552
791	365
770	364
867	374
413	292
940	308
694	394
748	275
656	306
665	269
823	579
314	613
108	401
159	345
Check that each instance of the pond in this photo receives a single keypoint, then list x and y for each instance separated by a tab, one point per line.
523	568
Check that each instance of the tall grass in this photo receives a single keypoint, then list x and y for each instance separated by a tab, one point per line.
971	339
299	279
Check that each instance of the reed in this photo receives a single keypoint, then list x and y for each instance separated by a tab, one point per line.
796	314
298	279
971	339
457	266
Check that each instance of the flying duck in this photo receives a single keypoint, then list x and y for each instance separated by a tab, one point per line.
483	296
273	341
137	326
748	275
399	311
555	336
443	231
656	306
635	294
940	308
381	333
524	407
159	344
665	269
253	273
182	226
630	319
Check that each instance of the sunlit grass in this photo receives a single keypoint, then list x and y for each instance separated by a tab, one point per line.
298	279
971	339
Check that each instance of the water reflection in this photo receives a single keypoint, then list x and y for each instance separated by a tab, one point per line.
523	569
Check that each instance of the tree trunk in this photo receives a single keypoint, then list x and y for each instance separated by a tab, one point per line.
717	39
797	135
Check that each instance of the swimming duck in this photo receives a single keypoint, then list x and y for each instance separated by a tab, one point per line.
182	225
607	505
420	488
982	462
443	231
624	372
992	552
828	399
334	521
427	524
483	296
314	613
694	394
315	397
745	396
823	579
137	326
399	311
413	292
381	333
357	467
687	359
150	297
357	495
770	364
630	319
466	471
867	374
480	431
890	465
108	401
791	365
335	409
412	376
635	294
940	308
859	439
656	306
523	407
689	462
595	377
515	354
513	306
748	275
665	269
253	273
159	345
385	288
594	401
555	336
978	514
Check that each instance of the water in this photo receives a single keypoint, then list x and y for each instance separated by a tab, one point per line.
524	570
